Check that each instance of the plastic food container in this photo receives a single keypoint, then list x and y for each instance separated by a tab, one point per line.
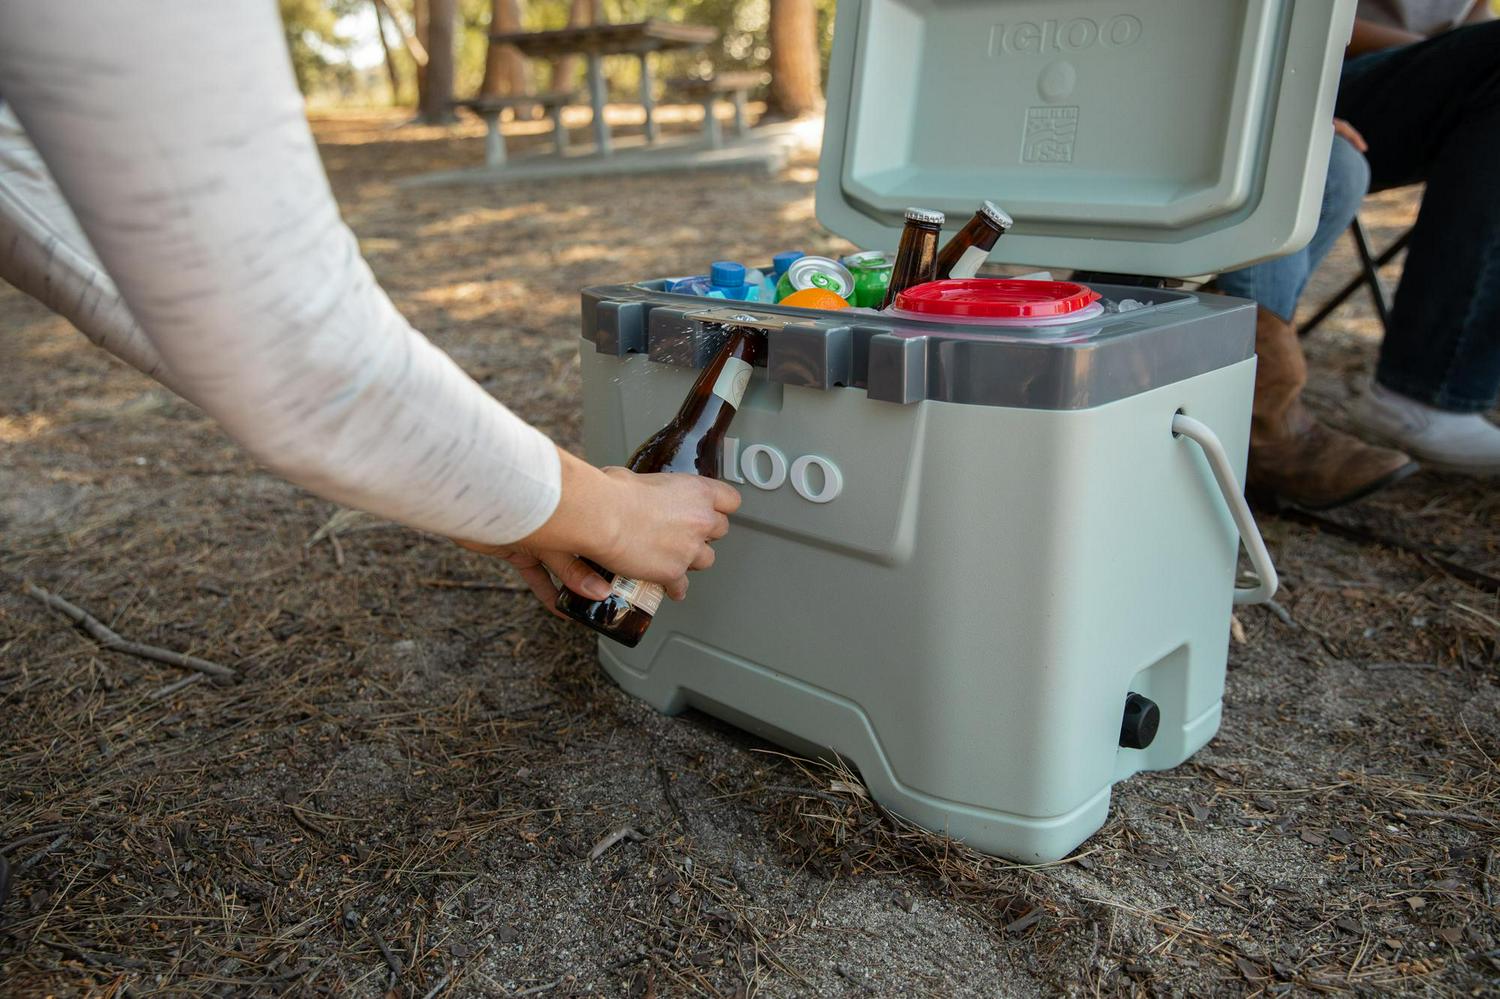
999	302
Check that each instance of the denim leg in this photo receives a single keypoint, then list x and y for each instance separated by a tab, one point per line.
1276	284
1431	111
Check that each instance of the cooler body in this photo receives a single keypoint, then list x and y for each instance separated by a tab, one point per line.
960	548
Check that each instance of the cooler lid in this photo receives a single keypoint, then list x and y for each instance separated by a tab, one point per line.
1169	137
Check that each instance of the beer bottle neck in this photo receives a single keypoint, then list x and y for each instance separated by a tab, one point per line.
962	256
721	385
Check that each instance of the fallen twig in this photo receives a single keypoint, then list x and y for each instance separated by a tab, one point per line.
1355	532
666	792
93	958
36	858
1282	614
173	688
391	960
1380	666
537	989
474	584
1423	813
110	640
441	984
624	832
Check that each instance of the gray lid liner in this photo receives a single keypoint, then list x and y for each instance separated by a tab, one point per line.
1176	336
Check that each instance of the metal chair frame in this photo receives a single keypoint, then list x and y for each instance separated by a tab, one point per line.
1368	277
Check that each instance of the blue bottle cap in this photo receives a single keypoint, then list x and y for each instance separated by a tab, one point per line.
726	274
784	260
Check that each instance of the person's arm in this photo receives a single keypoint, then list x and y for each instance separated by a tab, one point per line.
177	136
46	255
1372	36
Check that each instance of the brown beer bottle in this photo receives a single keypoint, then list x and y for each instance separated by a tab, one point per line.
916	255
693	443
970	247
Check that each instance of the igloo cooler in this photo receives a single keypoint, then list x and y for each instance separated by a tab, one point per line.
991	564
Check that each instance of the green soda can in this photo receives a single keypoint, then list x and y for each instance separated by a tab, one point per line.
816	272
872	276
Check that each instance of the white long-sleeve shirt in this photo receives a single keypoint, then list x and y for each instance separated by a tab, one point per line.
208	252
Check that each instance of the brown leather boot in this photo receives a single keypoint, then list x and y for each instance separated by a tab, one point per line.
1294	457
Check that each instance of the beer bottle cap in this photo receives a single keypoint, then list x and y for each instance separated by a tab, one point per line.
997	215
924	216
726	274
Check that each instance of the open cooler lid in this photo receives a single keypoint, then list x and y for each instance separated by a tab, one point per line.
1166	137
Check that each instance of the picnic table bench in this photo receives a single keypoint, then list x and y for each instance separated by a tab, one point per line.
595	41
709	90
489	109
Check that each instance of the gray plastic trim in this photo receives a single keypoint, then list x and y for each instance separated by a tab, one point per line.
1176	336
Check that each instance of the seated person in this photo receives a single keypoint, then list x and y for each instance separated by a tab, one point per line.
1429	108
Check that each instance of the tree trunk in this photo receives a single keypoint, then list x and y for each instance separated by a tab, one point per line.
390	57
504	66
419	37
796	86
437	100
565	69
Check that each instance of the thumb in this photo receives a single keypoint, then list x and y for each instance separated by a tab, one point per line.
576	576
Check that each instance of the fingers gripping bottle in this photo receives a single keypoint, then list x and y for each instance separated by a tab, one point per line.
962	256
692	442
916	255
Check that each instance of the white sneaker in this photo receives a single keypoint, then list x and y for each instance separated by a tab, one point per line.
1450	442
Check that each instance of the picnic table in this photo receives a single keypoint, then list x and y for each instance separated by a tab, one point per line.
595	41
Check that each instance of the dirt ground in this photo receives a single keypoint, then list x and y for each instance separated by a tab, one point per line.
404	791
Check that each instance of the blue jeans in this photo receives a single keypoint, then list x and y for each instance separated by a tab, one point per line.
1431	113
1276	284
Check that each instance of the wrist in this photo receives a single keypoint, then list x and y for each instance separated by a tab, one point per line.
588	519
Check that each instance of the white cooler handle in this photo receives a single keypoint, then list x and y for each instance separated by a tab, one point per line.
1234	498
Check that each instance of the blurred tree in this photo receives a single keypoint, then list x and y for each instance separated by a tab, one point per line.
504	66
565	70
796	72
435	106
317	51
745	40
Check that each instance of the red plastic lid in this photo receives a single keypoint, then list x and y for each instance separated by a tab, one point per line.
991	298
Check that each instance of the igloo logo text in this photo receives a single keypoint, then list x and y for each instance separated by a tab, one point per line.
1069	34
812	476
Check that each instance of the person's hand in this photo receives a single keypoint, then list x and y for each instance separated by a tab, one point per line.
1348	131
652	527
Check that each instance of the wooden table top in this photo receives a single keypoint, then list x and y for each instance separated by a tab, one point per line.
608	39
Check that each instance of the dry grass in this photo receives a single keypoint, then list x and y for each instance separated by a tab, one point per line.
404	789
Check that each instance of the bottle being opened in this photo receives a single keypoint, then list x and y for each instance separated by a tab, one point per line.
962	256
916	255
693	443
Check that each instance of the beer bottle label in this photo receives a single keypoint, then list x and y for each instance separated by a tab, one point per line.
968	265
733	380
644	596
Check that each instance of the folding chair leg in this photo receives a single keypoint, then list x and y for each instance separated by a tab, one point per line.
1368	277
1371	275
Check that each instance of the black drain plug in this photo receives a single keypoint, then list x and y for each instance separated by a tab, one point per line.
1142	719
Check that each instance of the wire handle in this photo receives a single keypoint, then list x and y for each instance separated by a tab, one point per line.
1234	498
